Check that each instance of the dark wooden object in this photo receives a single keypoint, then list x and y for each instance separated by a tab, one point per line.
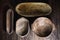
55	17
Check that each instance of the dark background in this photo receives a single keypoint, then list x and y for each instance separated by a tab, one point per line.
6	4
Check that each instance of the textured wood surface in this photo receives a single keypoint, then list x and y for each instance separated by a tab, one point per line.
55	17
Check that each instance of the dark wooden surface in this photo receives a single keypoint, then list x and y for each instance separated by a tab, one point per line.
55	17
